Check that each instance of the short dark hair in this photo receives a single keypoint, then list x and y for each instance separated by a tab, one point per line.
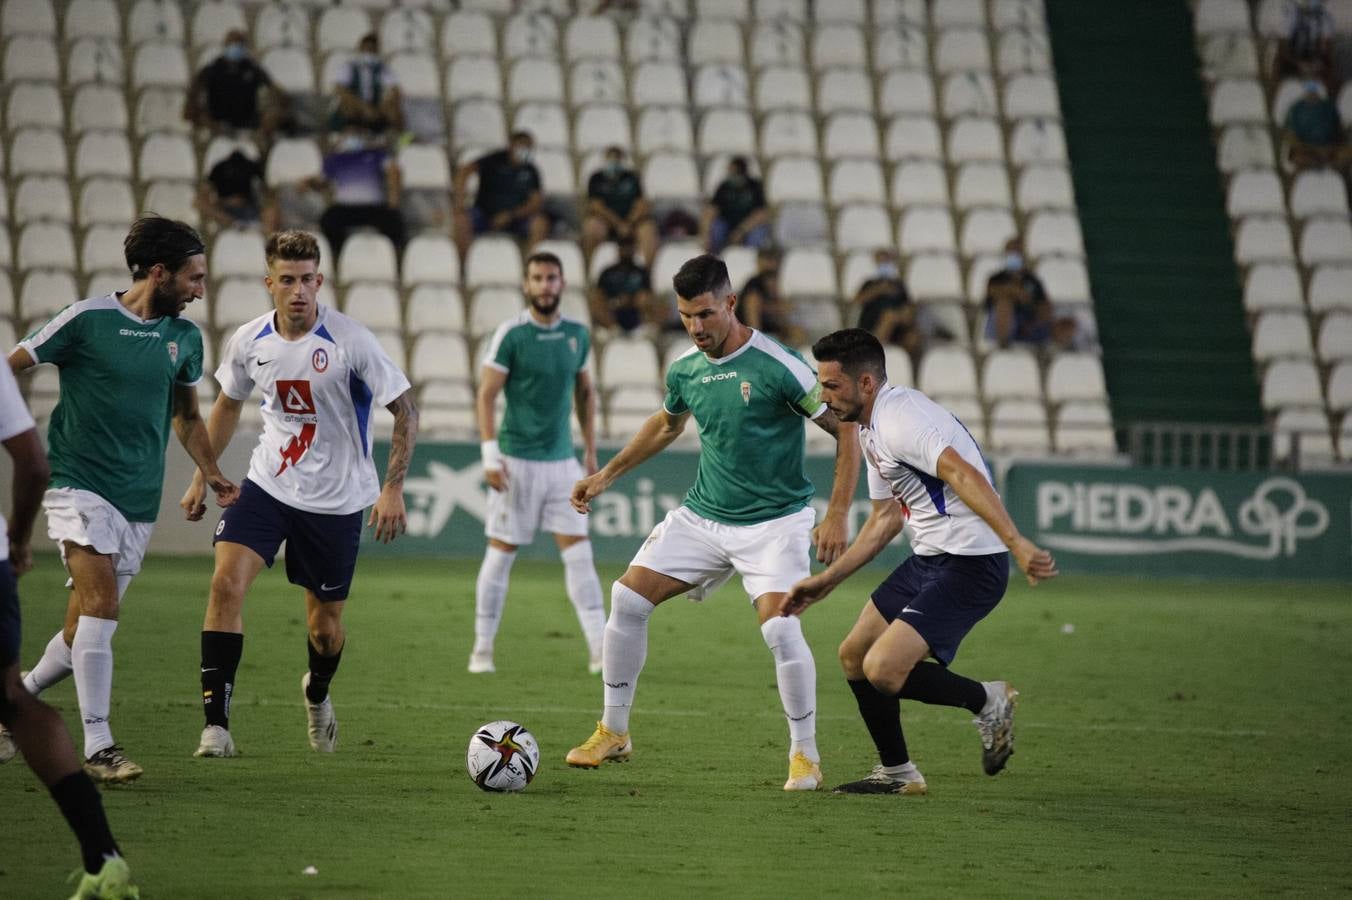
293	246
521	134
855	349
544	258
740	164
704	274
155	240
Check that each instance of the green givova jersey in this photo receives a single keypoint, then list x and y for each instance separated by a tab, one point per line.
110	427
750	407
541	363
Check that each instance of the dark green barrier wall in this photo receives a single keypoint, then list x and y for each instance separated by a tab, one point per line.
1186	523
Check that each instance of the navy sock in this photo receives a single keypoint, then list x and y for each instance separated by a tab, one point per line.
322	669
221	651
82	806
882	717
930	682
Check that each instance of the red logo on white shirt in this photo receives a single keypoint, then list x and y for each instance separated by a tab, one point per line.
320	360
297	404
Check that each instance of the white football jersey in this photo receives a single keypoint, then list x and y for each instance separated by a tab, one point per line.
902	445
15	419
318	396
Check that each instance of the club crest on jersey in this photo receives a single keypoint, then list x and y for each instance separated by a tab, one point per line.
746	393
172	346
320	360
572	343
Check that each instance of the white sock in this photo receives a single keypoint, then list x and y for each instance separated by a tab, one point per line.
584	591
796	673
626	647
904	772
490	593
54	666
92	655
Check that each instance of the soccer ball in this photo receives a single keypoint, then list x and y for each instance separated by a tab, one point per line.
503	756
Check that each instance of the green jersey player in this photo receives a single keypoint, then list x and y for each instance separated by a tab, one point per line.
537	360
128	367
747	512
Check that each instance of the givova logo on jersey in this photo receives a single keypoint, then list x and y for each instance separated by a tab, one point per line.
296	403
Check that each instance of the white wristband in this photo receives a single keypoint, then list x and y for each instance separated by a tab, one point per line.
491	455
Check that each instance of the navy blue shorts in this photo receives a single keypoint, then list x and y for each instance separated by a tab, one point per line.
943	596
11	625
482	223
321	550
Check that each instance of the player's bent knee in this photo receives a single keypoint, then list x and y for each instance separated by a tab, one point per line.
851	660
884	674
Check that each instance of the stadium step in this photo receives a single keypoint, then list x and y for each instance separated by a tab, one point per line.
1161	260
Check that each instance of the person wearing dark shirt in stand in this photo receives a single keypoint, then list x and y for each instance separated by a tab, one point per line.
623	297
885	307
1019	310
235	193
737	214
234	93
763	307
366	92
616	208
509	197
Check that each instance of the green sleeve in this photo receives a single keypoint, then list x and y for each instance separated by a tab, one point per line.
190	358
55	340
673	402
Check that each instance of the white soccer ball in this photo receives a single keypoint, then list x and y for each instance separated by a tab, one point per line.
503	756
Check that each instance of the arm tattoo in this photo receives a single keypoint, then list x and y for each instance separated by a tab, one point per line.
828	422
404	437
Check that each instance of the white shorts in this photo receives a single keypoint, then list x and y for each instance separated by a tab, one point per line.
770	556
536	499
85	518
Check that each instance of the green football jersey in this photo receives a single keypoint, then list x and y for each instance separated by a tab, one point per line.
750	408
541	363
110	427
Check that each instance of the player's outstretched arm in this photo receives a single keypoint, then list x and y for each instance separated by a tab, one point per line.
388	515
31	474
491	382
833	533
198	440
885	521
584	401
654	436
974	490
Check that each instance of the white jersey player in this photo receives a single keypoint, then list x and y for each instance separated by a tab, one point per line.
321	374
923	462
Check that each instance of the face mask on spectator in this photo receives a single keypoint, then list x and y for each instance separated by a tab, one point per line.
1314	87
614	166
351	143
888	270
1014	261
369	59
236	52
522	155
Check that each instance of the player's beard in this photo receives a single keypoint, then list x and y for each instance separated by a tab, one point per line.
545	304
166	303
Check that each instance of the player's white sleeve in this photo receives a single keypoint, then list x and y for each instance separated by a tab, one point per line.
878	488
374	366
233	372
911	436
14	415
492	354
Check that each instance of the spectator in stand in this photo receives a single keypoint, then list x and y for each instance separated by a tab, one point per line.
623	296
1018	308
737	214
763	307
1314	131
1307	49
509	198
235	194
364	184
367	92
616	208
234	93
885	307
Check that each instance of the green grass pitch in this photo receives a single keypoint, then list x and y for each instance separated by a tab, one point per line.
1182	739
